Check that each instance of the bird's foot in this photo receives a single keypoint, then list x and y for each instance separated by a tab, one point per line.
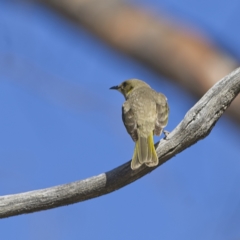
166	133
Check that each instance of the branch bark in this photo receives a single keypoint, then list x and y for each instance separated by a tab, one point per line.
197	124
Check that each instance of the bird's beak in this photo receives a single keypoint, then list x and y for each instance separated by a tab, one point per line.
114	87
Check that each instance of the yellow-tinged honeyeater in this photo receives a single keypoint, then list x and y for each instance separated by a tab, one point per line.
144	113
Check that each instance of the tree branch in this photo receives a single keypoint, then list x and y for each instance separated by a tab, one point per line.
196	125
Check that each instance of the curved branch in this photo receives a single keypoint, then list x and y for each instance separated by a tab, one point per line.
196	125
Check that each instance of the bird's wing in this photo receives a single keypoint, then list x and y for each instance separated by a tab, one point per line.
129	121
162	113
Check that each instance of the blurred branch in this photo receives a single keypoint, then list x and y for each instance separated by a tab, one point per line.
197	124
173	50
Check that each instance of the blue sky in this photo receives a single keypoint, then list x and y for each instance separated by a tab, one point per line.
60	123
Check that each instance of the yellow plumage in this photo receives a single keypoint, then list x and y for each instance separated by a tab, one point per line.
144	153
144	113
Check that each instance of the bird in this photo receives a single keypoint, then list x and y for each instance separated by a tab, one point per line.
144	113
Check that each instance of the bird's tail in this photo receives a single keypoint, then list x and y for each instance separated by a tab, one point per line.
144	153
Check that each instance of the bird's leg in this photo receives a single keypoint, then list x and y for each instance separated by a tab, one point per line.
165	132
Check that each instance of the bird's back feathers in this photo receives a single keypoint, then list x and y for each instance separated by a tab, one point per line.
144	113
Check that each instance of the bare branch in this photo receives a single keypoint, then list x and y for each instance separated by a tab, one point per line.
196	125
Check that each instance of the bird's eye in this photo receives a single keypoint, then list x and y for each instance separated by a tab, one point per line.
124	84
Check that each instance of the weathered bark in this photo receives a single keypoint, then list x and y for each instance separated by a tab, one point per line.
196	125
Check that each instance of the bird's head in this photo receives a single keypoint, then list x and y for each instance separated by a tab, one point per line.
128	86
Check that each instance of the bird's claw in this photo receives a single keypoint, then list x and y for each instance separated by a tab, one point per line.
166	133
